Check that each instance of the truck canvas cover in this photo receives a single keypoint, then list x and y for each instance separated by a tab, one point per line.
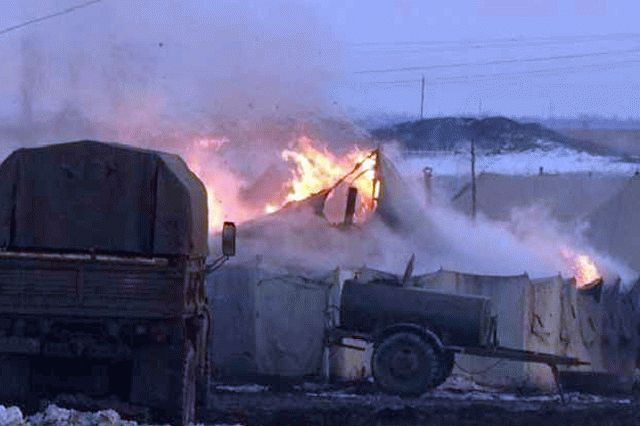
102	197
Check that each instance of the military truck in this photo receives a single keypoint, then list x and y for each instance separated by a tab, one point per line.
103	252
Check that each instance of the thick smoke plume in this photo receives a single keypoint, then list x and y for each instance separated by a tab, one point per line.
179	77
229	85
531	242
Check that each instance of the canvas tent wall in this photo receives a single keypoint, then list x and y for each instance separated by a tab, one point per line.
509	299
269	323
549	315
93	196
615	225
566	197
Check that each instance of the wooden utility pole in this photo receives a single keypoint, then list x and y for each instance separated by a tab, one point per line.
422	99
473	179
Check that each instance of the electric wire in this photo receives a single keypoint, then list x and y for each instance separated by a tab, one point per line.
499	61
46	17
507	40
489	76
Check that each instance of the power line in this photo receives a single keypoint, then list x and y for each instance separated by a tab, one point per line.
415	51
499	61
405	48
488	76
44	18
565	39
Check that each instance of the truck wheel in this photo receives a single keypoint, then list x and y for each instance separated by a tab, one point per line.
406	364
447	359
188	402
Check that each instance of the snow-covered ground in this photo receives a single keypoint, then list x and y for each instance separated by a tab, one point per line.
558	160
57	416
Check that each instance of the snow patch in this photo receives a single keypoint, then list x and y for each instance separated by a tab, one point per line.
560	160
11	416
242	388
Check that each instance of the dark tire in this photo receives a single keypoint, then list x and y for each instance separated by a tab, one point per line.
447	360
189	373
404	363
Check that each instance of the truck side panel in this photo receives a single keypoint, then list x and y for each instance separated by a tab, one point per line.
96	289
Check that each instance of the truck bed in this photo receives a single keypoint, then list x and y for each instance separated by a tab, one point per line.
97	286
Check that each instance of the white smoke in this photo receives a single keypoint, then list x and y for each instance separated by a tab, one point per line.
531	242
153	73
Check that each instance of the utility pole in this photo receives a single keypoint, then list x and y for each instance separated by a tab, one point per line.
473	179
422	99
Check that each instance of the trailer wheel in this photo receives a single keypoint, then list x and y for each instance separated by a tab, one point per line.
406	364
447	359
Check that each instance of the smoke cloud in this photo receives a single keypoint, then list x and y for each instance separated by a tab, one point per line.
531	242
172	75
228	86
157	73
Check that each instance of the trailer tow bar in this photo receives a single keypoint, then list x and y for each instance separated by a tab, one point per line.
551	360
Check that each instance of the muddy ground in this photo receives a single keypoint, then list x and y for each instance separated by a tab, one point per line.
457	403
451	406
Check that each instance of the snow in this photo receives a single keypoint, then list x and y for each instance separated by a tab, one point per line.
58	416
11	416
242	388
460	387
559	160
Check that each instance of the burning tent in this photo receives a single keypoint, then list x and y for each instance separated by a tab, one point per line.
274	305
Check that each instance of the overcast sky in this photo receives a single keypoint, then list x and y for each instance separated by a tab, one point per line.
511	57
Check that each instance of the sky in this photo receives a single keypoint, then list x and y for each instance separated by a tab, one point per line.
414	34
130	59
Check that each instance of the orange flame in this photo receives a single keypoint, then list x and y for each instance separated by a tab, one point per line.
313	169
582	266
318	169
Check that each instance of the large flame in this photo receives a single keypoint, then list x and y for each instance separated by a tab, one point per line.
318	169
582	266
313	169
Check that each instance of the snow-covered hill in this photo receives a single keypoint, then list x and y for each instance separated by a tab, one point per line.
492	135
557	160
503	146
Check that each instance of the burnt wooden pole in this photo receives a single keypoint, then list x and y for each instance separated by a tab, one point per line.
350	211
473	179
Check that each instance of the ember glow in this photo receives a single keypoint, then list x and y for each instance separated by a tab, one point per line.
583	267
318	169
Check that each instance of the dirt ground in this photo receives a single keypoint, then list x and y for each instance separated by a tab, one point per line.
458	402
450	406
